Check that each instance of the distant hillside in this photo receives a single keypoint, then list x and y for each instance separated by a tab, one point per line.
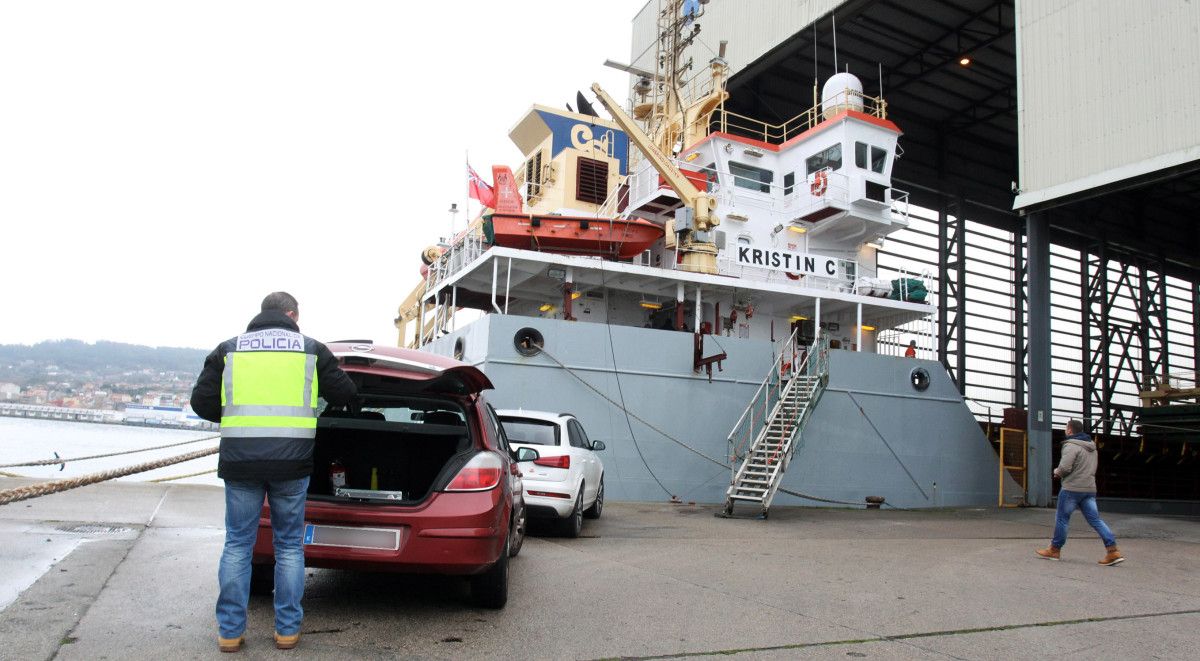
77	356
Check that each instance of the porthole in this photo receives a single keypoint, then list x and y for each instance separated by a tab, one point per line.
528	341
919	379
459	349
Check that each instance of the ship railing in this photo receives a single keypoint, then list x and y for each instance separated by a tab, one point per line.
792	361
456	255
611	208
824	187
727	121
900	206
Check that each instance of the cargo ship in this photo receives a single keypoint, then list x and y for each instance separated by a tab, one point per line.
700	289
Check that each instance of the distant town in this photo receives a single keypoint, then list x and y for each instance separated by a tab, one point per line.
137	384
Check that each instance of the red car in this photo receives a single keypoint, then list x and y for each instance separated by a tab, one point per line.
416	477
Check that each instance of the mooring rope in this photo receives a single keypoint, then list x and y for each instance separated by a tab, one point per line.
57	460
46	488
183	477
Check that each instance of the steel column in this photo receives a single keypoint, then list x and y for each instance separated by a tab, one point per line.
1040	405
1020	302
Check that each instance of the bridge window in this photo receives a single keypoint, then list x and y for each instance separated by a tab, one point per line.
830	158
748	176
789	183
878	159
860	155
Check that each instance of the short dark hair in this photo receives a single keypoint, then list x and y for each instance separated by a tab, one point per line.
282	301
1074	426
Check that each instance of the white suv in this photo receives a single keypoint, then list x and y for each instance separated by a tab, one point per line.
566	482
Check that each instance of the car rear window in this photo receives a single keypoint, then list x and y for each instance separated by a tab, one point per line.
532	432
412	410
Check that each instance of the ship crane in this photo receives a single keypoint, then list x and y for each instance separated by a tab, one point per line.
697	218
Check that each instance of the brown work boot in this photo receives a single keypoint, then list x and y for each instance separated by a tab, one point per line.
230	644
1113	557
1050	553
286	642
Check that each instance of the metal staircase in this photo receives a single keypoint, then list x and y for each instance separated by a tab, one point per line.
774	421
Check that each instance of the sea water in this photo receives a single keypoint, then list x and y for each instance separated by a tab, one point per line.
24	439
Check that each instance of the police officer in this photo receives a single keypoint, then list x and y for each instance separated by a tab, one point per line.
262	386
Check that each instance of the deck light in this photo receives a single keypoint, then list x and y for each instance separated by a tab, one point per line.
799	317
650	305
964	60
576	294
868	328
797	229
546	307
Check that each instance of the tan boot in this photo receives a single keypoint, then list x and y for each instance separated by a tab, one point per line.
1049	553
286	642
1113	557
230	644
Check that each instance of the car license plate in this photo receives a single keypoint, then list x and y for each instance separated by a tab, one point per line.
354	538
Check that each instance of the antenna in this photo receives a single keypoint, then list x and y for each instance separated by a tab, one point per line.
880	65
816	75
835	43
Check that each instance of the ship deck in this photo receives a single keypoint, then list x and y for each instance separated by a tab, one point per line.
125	570
487	280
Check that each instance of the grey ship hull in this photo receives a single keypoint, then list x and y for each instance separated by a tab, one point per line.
871	432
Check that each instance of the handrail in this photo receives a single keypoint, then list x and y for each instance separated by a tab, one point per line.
782	132
813	363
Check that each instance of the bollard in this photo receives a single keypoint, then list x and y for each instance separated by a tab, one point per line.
873	502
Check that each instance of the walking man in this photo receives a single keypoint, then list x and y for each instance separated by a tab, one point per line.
1077	470
262	386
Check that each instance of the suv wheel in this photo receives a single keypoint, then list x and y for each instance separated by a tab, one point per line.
597	507
518	532
573	524
490	589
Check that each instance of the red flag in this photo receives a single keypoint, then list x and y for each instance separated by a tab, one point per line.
478	188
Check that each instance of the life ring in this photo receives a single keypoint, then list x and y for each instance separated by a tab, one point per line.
784	368
793	276
820	184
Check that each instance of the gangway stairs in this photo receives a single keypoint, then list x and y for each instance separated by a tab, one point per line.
775	419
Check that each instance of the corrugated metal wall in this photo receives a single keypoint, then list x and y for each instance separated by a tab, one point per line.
1105	84
751	28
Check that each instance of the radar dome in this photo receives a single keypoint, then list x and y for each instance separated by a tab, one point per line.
843	91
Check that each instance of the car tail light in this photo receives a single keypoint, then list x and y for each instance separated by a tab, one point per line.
481	473
549	494
561	461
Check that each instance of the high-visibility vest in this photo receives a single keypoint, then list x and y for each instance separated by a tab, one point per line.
269	387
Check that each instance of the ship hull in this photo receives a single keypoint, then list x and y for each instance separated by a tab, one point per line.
666	427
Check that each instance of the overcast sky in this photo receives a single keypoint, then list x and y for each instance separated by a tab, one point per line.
164	165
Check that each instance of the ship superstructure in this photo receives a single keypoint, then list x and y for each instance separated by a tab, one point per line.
681	274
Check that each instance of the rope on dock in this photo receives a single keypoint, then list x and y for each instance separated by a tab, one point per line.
46	488
56	461
183	477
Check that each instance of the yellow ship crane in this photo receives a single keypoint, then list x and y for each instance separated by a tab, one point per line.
698	217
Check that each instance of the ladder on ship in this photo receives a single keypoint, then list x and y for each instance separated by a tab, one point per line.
772	425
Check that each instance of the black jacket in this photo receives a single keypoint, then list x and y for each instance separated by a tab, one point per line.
291	459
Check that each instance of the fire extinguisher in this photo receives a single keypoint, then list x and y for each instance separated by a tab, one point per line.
337	475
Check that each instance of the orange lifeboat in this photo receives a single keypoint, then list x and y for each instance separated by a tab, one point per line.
606	237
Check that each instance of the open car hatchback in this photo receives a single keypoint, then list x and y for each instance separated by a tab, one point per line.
415	477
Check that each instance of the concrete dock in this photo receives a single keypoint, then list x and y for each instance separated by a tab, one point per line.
128	571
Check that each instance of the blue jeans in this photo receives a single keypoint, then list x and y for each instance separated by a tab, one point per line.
243	503
1068	502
